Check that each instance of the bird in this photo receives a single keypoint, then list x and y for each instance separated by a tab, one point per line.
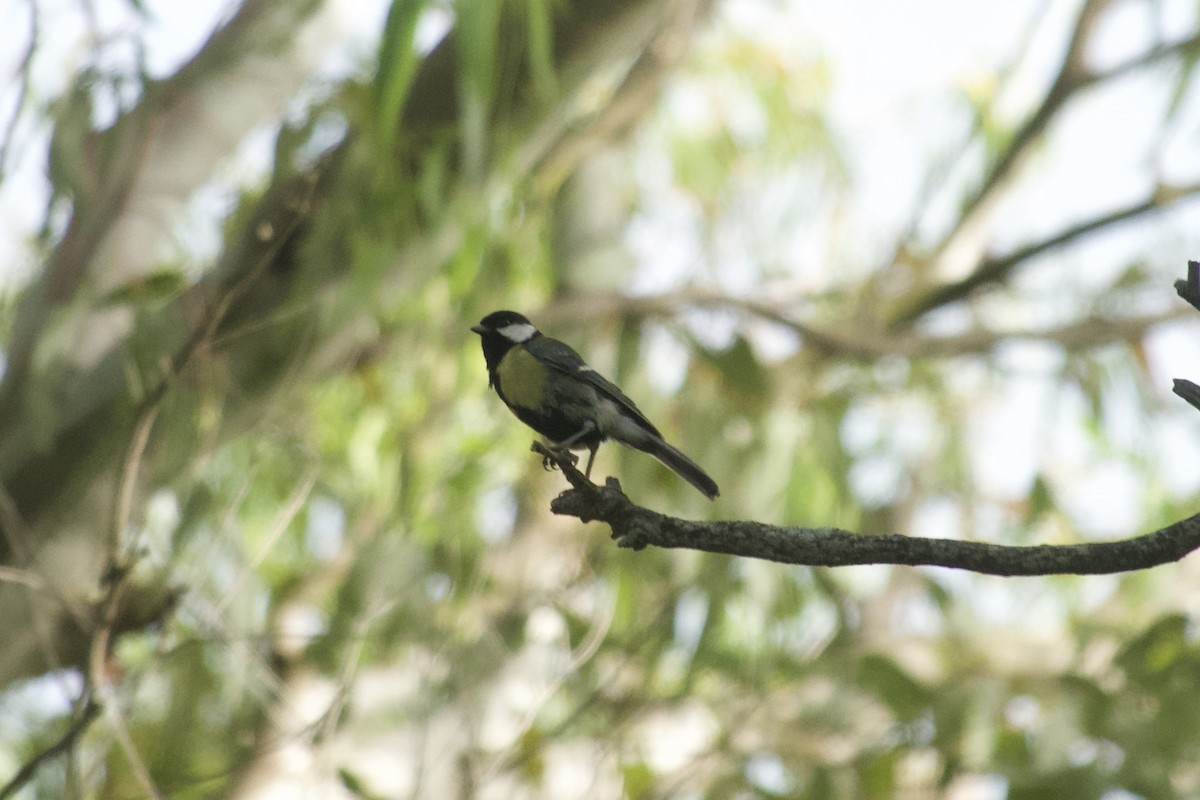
550	388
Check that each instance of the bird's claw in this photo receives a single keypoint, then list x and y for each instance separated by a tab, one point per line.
549	464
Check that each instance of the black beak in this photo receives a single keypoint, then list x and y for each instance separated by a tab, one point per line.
479	329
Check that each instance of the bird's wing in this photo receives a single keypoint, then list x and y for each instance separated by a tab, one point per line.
562	358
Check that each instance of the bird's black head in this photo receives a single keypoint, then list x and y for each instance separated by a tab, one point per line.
500	331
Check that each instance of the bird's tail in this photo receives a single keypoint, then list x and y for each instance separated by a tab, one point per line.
676	461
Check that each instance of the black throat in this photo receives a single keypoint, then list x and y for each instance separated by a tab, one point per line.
495	347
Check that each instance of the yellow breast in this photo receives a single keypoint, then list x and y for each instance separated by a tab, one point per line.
522	378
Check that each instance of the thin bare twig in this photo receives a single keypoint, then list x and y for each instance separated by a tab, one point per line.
23	577
120	557
120	552
1084	333
996	269
84	718
16	531
116	718
1188	391
279	526
1189	289
1154	55
25	71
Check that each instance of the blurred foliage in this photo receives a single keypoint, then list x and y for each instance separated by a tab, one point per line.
373	582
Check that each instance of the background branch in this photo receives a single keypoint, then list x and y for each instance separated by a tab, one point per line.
1082	334
1071	76
996	269
85	717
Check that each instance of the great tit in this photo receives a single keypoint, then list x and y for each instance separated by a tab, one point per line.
550	388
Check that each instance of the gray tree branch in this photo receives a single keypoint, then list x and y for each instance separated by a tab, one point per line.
636	527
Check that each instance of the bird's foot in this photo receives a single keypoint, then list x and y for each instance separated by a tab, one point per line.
549	462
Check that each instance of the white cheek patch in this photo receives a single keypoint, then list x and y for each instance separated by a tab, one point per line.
518	332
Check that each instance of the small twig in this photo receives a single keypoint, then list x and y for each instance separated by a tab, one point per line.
13	527
287	514
116	718
85	717
25	70
1182	47
23	577
996	269
120	557
1082	334
120	550
1189	289
1188	391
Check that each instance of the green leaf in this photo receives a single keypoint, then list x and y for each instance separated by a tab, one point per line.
355	785
639	781
529	755
743	375
877	775
539	21
1041	500
479	47
1159	646
902	693
397	66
